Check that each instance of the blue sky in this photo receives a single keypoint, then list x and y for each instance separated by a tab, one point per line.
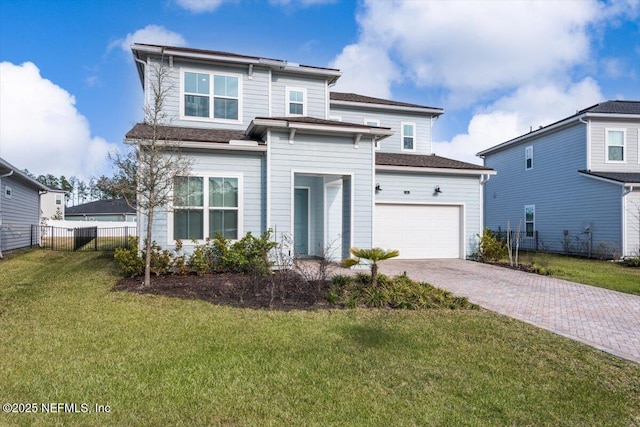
69	91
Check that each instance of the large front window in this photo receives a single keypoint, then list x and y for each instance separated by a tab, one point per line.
211	96
615	145
220	196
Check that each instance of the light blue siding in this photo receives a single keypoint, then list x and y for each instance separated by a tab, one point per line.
322	156
251	166
464	191
632	202
17	213
392	144
599	146
563	199
316	94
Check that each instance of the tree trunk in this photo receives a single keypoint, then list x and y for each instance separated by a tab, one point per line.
374	274
147	262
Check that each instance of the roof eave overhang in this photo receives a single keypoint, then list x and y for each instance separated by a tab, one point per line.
17	173
422	110
199	145
609	180
430	170
259	126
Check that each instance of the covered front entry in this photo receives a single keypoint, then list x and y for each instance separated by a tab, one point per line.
322	215
419	231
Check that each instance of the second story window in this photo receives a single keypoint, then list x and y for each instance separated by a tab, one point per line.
528	157
58	199
211	96
296	100
408	136
615	145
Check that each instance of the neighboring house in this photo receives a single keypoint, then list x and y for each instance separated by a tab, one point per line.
274	148
52	204
575	182
102	210
19	208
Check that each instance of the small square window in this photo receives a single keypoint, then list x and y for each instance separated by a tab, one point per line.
7	192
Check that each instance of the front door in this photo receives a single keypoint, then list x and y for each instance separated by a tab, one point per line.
301	221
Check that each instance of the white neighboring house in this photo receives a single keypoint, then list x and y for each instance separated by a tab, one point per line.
52	204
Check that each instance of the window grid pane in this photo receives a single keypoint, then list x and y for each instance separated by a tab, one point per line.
224	222
188	224
408	143
224	108
295	108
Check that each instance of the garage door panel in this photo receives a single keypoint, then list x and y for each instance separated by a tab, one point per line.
419	231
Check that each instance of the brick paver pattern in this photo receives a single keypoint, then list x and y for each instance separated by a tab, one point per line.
604	319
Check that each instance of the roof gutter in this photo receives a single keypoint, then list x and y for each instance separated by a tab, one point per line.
450	171
433	111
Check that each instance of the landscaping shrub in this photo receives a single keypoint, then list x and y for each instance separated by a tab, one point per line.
128	259
631	262
248	255
396	292
491	248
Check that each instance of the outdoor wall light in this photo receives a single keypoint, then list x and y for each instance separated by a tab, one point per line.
437	190
378	188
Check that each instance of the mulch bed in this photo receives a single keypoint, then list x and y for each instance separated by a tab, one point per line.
285	290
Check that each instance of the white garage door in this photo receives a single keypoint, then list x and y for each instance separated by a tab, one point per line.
419	231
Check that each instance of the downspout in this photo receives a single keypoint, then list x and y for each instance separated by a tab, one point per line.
588	123
2	176
484	178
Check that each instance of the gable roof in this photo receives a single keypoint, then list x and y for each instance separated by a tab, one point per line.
115	206
354	99
626	109
426	162
622	177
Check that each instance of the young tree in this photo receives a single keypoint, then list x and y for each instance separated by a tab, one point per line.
374	256
145	175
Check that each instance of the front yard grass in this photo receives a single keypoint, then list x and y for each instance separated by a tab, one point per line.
604	274
66	337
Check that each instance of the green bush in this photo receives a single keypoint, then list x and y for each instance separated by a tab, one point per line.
491	248
631	262
248	255
128	259
397	292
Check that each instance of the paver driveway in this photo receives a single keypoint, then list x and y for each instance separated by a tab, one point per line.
605	319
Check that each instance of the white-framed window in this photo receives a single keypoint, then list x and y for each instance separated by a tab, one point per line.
615	139
58	199
211	96
528	157
7	191
296	101
373	122
529	220
204	206
408	136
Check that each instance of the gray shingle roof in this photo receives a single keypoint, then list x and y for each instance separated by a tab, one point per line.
630	177
354	97
143	131
422	161
614	107
116	206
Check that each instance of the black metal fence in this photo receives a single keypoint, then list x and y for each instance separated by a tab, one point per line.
526	242
85	238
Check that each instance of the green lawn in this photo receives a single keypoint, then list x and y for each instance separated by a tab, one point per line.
604	274
65	337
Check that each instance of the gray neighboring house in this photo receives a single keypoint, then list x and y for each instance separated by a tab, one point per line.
576	182
101	210
275	148
19	208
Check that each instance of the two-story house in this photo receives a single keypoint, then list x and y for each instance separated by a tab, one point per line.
575	182
274	148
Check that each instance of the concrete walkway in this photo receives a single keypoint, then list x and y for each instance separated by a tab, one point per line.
604	319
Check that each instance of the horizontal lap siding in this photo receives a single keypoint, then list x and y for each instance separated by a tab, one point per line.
599	146
321	155
393	143
18	213
633	223
252	168
316	94
563	199
255	95
458	190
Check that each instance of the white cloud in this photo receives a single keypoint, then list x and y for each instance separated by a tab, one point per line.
151	34
40	128
199	6
527	108
473	47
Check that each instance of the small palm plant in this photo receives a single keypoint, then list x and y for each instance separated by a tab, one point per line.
374	256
